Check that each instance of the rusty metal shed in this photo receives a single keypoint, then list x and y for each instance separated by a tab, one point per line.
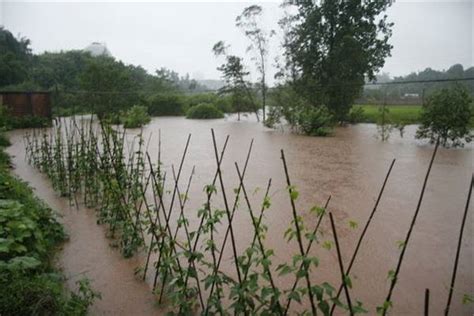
22	103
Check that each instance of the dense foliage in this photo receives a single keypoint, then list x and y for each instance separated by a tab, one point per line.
15	55
168	104
204	111
29	234
447	116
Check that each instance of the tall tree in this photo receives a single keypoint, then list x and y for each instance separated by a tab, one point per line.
250	23
335	45
234	74
109	85
15	57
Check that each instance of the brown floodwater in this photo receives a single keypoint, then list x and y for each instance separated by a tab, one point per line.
350	166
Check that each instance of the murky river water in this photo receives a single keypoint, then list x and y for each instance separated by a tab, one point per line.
350	166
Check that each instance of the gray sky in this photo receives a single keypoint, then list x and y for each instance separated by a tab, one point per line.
180	35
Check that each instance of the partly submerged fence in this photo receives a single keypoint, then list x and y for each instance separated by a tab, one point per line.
93	164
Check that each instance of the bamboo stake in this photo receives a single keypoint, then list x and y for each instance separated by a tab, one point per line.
458	250
298	233
412	225
364	231
308	248
341	265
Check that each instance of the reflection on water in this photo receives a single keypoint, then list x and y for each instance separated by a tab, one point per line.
350	166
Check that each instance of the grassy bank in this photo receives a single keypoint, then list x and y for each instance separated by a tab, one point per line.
29	238
398	114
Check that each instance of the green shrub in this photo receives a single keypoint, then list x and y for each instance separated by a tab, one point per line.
10	122
223	103
314	121
166	104
30	121
4	142
136	116
447	116
204	111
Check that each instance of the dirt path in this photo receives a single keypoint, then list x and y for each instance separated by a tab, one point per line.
88	252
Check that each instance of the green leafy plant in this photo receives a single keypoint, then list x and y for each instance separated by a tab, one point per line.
136	116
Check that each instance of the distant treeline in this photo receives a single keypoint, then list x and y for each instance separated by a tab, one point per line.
80	82
410	92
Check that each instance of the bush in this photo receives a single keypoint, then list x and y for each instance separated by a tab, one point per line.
223	103
136	116
356	115
447	116
4	142
166	104
204	111
298	113
315	121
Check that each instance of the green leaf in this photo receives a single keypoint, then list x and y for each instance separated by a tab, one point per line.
318	210
318	291
327	245
353	224
384	308
348	281
293	193
400	244
324	307
284	269
328	288
467	299
294	295
359	308
391	275
266	203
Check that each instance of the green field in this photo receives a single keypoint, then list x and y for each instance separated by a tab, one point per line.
398	114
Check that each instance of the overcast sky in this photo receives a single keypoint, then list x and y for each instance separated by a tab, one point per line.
180	35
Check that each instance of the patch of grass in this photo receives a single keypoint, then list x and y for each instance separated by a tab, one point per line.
398	114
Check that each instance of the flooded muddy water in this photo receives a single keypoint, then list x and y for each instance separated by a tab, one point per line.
350	166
